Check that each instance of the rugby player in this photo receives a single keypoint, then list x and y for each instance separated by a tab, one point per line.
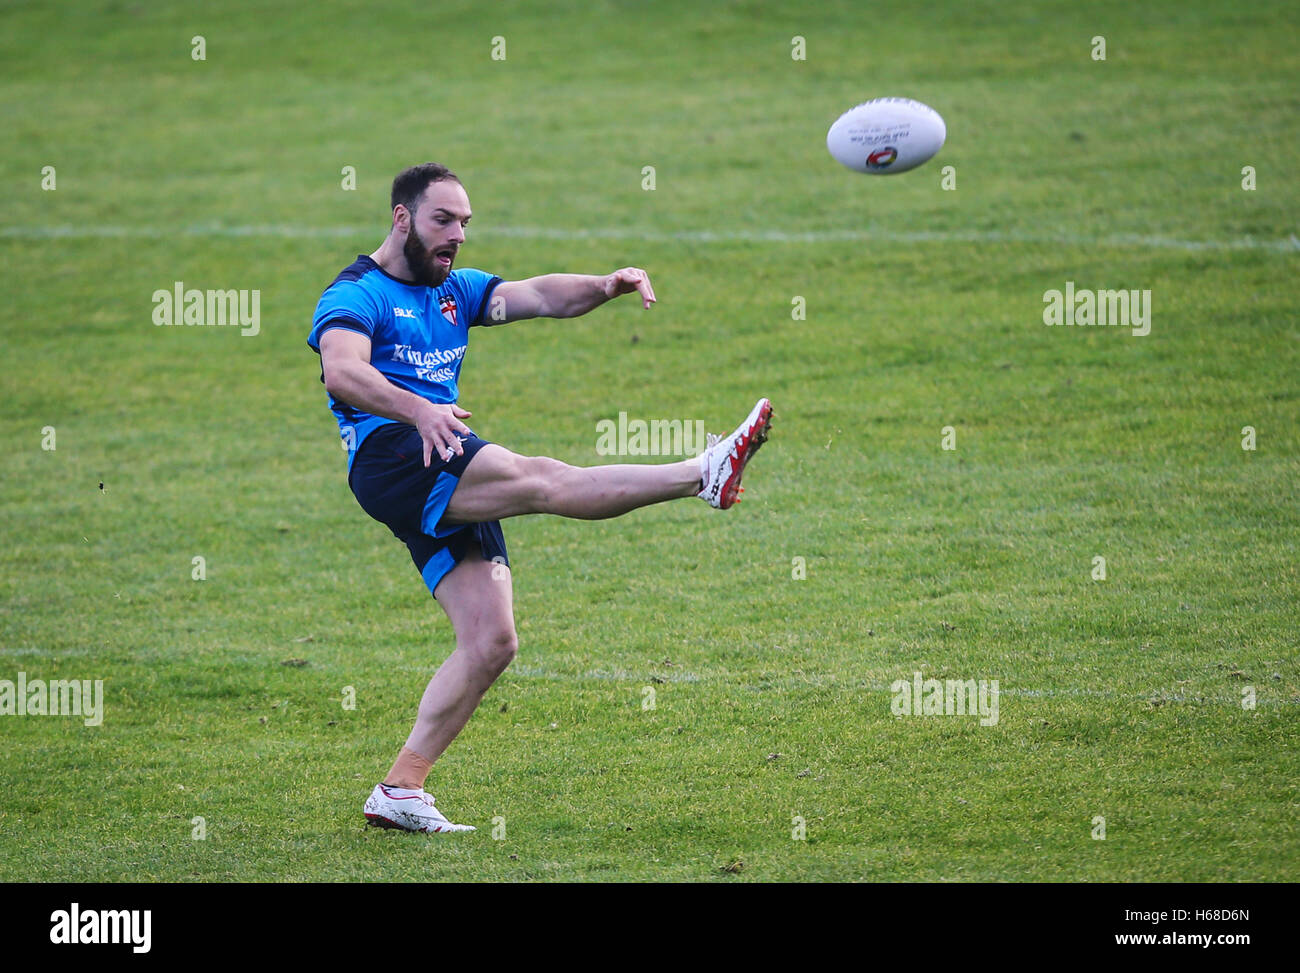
391	332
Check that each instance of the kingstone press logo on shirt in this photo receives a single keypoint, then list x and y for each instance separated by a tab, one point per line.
426	362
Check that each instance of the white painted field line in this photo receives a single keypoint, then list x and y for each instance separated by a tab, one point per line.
821	681
835	682
885	235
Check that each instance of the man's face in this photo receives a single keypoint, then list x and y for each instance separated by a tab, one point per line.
437	231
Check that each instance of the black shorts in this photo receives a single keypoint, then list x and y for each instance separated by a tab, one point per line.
392	484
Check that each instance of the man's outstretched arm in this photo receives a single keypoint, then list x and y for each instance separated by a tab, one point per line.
567	295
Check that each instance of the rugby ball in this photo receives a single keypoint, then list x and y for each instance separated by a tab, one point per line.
886	135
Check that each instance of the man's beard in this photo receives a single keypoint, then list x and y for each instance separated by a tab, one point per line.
420	261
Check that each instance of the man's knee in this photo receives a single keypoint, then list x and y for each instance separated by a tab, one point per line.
544	480
494	649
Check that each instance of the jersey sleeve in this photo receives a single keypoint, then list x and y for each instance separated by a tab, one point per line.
345	304
477	287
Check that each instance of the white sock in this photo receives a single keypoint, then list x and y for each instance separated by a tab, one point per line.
401	791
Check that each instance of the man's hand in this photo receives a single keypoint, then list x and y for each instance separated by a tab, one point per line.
438	426
626	281
350	378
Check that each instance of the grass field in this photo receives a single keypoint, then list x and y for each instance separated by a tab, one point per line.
1120	698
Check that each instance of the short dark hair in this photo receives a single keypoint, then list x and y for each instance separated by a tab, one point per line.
411	183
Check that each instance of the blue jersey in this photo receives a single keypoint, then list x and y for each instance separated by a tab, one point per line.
418	334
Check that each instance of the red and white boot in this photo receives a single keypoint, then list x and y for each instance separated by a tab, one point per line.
407	809
722	464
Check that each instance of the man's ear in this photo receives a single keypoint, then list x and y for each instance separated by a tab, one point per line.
401	218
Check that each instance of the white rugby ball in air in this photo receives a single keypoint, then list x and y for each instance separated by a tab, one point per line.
886	135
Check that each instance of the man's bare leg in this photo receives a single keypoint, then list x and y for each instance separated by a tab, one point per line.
478	597
499	484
